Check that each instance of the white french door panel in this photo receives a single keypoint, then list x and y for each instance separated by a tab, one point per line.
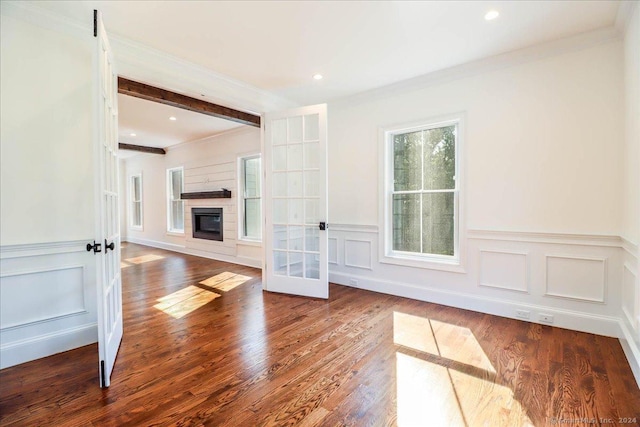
295	195
109	280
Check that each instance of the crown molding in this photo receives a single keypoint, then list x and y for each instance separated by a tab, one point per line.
624	15
489	64
145	64
44	18
151	66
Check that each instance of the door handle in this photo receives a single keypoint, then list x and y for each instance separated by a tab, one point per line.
111	246
96	247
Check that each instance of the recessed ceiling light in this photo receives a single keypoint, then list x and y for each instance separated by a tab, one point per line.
317	76
172	118
491	15
132	134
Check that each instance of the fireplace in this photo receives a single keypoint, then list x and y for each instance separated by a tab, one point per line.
207	223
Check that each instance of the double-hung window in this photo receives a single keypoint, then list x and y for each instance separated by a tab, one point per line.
422	193
175	205
250	203
135	201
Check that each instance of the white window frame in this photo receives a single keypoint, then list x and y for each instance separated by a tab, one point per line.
241	198
455	263
133	226
171	230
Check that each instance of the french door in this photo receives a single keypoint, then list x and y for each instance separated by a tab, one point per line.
109	282
295	160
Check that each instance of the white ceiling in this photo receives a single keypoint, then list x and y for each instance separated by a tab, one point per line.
277	46
150	122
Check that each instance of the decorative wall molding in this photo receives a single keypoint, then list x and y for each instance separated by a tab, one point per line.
152	66
32	295
143	63
44	18
332	250
357	253
44	320
493	63
579	321
356	228
38	249
625	13
630	247
48	300
537	237
630	283
572	283
500	280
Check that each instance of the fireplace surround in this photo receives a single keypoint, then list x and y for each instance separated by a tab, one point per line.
207	223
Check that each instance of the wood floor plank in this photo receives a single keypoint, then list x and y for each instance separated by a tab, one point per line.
247	357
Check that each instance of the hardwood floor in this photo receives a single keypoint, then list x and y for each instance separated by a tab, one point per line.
204	345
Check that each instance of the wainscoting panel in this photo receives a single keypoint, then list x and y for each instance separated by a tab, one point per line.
37	296
357	253
629	295
48	300
504	270
576	278
333	250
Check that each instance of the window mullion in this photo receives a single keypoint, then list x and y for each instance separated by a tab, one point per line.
422	188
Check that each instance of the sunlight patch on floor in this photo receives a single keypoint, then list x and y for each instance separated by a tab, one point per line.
225	281
180	303
425	394
144	258
449	380
440	339
124	264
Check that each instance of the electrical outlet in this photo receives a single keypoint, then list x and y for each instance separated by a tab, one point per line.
523	314
353	282
545	318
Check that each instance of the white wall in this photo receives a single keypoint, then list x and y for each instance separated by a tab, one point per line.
542	188
209	164
47	279
540	146
46	128
631	187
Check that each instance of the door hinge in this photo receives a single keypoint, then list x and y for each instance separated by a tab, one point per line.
95	23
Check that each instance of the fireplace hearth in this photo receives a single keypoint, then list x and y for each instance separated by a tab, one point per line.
207	223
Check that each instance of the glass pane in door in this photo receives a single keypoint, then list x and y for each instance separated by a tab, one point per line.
295	196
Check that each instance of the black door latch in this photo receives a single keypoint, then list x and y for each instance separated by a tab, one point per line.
96	247
323	226
109	246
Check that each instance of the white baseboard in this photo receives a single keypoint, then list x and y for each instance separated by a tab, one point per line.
154	244
579	321
34	348
631	350
249	262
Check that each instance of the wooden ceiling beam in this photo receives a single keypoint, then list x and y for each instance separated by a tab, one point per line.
163	96
141	148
